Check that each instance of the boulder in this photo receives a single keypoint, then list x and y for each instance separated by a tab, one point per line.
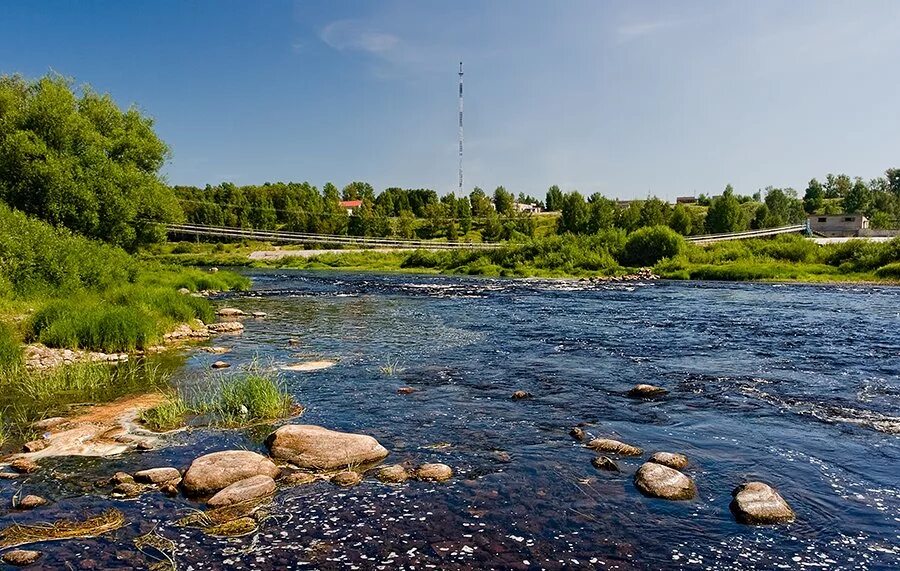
346	479
519	395
298	478
122	478
49	423
646	391
226	327
605	463
184	291
658	481
434	472
216	350
127	490
24	465
578	433
21	557
157	475
670	459
229	312
252	488
313	447
30	502
759	503
614	447
34	446
213	472
393	474
259	314
220	365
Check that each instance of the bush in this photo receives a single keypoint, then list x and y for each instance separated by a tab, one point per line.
647	246
889	271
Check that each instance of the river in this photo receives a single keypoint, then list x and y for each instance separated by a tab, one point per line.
794	385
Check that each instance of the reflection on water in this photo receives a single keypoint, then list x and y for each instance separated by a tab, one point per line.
797	386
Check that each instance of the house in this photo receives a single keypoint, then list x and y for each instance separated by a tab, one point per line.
522	207
686	200
838	224
351	206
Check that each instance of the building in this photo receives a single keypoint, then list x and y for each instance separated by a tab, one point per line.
351	206
527	208
831	225
686	200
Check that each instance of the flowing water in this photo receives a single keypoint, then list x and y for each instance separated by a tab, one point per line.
798	386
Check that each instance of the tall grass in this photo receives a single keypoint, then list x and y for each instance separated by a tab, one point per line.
10	349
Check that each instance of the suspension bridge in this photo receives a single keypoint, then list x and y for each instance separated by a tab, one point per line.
285	237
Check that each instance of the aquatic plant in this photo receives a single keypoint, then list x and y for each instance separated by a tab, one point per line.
248	398
17	534
167	415
392	367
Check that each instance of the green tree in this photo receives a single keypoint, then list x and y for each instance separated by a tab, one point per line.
646	246
335	218
858	197
814	198
601	213
554	199
681	221
464	213
481	204
837	186
654	212
358	191
405	224
504	201
893	178
75	159
574	216
725	214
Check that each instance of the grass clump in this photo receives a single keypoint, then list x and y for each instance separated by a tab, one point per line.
167	415
16	534
10	349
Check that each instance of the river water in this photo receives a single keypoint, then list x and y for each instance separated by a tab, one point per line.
797	386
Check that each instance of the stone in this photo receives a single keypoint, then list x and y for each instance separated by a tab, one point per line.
49	423
216	350
220	365
213	270
294	342
229	312
184	291
24	466
122	478
605	463
225	327
30	502
9	475
519	395
346	479
614	447
646	391
578	433
157	475
670	459
434	472
34	446
405	391
21	557
502	456
128	490
298	478
213	472
144	446
758	503
170	488
394	474
658	481
259	314
246	490
313	447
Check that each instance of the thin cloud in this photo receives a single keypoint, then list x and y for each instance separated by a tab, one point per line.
352	35
637	30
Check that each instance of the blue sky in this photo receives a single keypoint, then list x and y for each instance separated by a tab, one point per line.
623	98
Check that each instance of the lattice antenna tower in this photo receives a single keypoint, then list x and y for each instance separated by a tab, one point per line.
461	129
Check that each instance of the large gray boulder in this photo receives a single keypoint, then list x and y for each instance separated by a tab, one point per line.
658	481
759	503
313	447
213	472
246	490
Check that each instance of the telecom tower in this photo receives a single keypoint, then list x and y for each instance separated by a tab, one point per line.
460	129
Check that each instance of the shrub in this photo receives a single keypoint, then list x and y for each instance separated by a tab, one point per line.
647	246
889	271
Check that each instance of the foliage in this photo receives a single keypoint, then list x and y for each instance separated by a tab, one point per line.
649	245
167	415
75	159
725	214
10	349
889	271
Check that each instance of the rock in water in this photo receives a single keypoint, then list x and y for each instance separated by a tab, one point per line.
577	433
220	365
157	475
259	314
346	479
434	472
658	481
605	463
314	447
226	327
646	391
759	503
519	395
405	391
393	474
614	447
213	472
21	557
30	502
298	478
127	490
670	459
229	312
243	491
121	478
24	466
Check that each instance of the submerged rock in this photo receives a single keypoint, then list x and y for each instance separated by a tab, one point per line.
170	488
314	447
578	433
24	466
21	557
220	365
605	463
395	474
346	479
226	327
157	475
434	472
252	488
614	447
405	391
646	391
670	459
309	366
30	502
759	503
298	478
259	314
519	395
229	312
213	472
9	475
658	481
122	478
127	490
